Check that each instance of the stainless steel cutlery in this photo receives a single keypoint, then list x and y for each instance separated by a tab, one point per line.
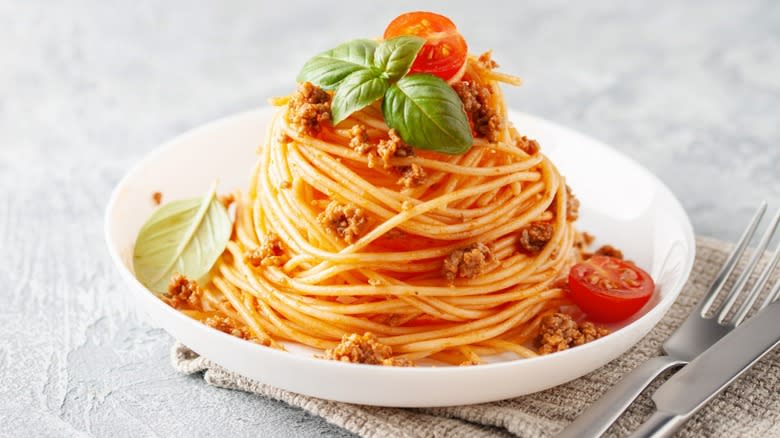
697	333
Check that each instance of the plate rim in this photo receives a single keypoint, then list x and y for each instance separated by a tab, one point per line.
140	291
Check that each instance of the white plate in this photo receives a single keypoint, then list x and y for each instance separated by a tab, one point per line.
622	204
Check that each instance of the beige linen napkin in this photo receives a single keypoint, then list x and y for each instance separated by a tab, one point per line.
748	408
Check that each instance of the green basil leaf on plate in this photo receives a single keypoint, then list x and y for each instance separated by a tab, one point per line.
185	237
394	57
357	91
428	114
329	68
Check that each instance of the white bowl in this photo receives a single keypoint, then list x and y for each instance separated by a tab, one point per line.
622	204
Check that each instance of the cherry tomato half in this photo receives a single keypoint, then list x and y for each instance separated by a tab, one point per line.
445	51
609	289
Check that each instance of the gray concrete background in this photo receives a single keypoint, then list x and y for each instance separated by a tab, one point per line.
690	89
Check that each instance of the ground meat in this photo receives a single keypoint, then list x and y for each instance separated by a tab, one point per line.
227	325
358	140
534	237
157	198
382	152
587	238
466	363
572	205
412	175
468	262
269	253
485	60
364	349
398	362
529	146
610	251
285	184
308	108
583	240
476	102
345	221
393	147
559	331
183	293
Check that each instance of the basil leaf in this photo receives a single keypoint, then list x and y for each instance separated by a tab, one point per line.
185	237
428	114
357	91
329	68
394	57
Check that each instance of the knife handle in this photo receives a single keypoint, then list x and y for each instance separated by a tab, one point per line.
660	424
603	412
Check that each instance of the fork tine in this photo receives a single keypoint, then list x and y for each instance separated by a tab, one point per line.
745	275
773	294
757	288
731	262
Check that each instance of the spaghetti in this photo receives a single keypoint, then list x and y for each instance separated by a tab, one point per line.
329	242
396	218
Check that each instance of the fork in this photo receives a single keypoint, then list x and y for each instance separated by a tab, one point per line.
697	333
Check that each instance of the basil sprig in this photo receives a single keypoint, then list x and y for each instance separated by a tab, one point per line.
425	110
357	91
395	56
422	108
329	68
185	237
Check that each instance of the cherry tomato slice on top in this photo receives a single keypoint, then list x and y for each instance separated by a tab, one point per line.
445	51
609	289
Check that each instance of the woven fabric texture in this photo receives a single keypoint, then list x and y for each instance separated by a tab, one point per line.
750	407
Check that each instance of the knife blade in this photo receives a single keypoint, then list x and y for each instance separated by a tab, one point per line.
712	371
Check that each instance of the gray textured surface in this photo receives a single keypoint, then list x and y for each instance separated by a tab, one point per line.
690	89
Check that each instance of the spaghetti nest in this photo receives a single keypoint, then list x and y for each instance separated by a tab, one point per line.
347	231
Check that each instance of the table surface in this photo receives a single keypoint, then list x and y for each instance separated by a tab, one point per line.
690	89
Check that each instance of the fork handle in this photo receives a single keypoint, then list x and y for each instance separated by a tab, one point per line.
660	424
603	412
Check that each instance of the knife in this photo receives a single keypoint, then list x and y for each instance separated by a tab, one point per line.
711	372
